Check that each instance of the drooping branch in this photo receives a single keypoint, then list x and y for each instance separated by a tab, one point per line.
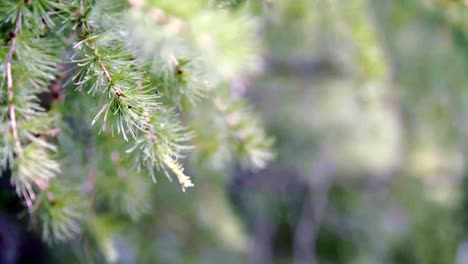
137	106
246	129
9	79
172	164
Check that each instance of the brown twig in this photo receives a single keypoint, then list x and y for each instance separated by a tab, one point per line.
117	91
9	79
104	69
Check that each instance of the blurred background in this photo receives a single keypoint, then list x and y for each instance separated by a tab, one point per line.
368	104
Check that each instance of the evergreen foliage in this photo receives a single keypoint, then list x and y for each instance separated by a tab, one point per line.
129	75
366	101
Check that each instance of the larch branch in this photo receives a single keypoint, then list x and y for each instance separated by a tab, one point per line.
9	79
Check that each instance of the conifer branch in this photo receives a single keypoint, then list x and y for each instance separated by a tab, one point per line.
9	79
178	170
168	161
254	144
141	69
107	74
32	168
104	69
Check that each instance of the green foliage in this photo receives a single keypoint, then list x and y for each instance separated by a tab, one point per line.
58	212
244	129
366	102
125	79
381	86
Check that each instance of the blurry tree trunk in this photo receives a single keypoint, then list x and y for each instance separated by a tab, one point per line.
261	198
313	210
308	227
263	244
462	251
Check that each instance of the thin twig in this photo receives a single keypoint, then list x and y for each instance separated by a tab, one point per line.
9	79
117	91
104	69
